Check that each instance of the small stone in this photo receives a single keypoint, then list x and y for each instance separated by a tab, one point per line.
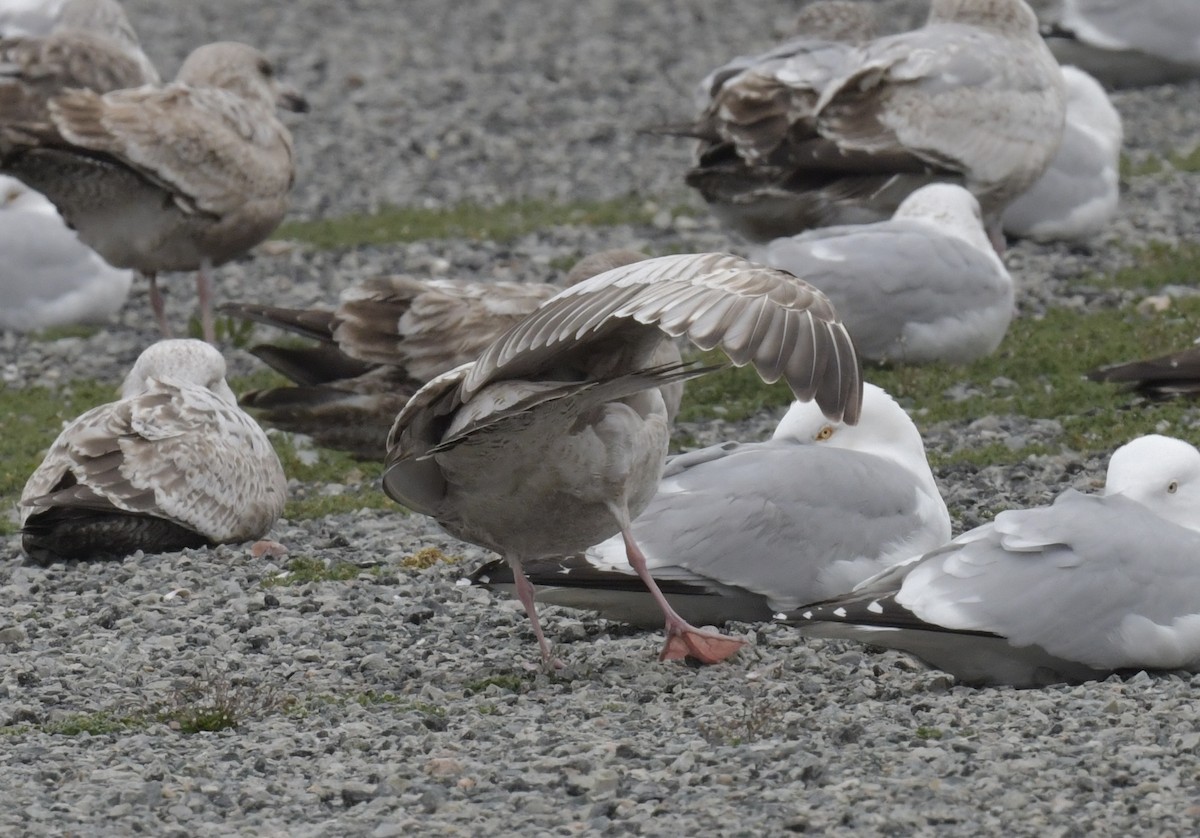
12	635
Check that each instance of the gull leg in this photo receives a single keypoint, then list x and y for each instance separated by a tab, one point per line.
683	639
525	594
158	306
204	294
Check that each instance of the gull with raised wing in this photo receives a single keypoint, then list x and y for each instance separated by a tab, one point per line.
175	178
555	438
388	336
1088	586
741	531
173	463
924	286
973	97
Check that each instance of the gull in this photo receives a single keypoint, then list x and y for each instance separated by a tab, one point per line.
28	17
1088	586
47	276
1129	44
1162	377
175	178
173	463
740	531
973	97
92	46
555	437
388	336
924	286
1077	195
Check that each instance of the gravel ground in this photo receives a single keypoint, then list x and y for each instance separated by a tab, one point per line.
402	702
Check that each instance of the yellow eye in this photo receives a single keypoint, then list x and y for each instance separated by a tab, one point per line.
1173	487
825	433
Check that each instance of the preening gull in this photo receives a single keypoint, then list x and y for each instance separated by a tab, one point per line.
177	178
92	46
1173	374
173	463
388	336
554	439
1126	44
1077	195
741	531
47	276
973	97
1087	586
924	286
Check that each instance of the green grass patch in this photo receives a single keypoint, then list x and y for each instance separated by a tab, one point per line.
1152	164
512	683
927	733
1158	265
502	223
303	570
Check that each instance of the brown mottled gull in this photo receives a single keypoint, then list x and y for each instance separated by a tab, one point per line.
973	97
1161	377
554	439
174	463
387	337
177	178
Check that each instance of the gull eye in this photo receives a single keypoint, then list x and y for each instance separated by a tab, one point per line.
1173	487
825	433
265	68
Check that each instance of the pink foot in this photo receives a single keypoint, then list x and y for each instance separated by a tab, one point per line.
704	646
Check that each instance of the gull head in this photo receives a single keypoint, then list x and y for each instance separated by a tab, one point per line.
1013	18
1159	472
179	362
883	428
242	70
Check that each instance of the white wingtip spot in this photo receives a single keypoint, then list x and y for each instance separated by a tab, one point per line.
875	607
839	612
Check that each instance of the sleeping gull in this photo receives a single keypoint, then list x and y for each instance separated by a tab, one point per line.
740	531
173	464
554	439
47	276
1077	195
388	336
924	286
974	97
1126	44
92	46
177	178
1089	585
1173	374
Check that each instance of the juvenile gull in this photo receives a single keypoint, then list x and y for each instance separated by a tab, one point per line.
1087	586
554	439
1127	44
924	286
47	276
1173	374
173	463
387	337
177	178
740	531
1077	195
92	46
974	97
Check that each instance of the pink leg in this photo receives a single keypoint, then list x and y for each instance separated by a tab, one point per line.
204	294
525	594
158	306
683	639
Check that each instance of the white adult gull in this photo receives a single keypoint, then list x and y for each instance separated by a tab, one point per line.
1077	195
1090	585
924	286
175	178
47	276
741	531
173	463
554	439
973	97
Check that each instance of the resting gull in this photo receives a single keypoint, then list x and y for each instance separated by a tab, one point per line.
174	463
1129	44
388	336
740	531
924	286
1173	374
1087	586
47	276
1077	195
973	97
177	178
554	439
